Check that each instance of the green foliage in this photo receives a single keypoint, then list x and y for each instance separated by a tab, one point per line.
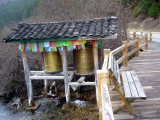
154	10
15	11
144	7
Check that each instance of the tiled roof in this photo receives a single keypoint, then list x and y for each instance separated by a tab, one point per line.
99	27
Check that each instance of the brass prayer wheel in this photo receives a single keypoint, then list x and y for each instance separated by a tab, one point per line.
84	61
52	61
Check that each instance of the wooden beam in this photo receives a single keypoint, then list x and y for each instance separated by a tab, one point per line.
96	67
27	78
66	79
46	77
82	84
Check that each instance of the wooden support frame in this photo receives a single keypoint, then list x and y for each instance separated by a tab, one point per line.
126	103
27	78
96	67
66	79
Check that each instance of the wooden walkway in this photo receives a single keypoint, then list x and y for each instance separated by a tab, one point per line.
147	67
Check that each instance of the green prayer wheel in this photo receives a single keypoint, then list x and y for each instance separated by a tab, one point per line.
84	61
52	62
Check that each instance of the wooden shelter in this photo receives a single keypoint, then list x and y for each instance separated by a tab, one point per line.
62	36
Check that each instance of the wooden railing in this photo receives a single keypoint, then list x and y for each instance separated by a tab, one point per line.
150	34
103	79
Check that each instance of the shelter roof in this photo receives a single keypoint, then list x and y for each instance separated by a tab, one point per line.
65	30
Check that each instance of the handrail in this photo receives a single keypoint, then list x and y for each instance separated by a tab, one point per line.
117	50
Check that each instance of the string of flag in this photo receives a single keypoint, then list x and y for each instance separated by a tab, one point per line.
57	45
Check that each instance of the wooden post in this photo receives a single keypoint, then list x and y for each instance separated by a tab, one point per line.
102	78
134	35
66	79
27	78
125	53
100	57
146	41
137	46
96	67
45	86
150	36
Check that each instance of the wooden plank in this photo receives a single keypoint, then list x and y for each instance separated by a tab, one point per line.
127	89
118	73
138	85
45	77
107	112
82	84
27	78
66	78
133	89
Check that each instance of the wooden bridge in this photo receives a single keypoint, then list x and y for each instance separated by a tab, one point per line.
147	67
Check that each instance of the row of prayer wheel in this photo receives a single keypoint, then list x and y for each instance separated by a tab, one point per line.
83	59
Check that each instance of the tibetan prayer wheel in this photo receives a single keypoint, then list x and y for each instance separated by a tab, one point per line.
52	61
84	61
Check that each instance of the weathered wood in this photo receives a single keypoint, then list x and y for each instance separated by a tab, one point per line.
119	49
137	46
81	79
107	112
131	43
46	77
102	78
120	60
138	85
131	52
146	41
43	73
125	53
105	63
27	78
82	84
96	67
66	79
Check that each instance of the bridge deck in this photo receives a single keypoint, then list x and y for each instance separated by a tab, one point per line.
147	67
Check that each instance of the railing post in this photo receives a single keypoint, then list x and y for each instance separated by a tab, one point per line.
107	52
102	78
125	53
134	35
137	46
141	34
150	36
146	41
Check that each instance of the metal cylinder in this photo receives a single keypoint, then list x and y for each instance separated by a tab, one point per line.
52	61
84	61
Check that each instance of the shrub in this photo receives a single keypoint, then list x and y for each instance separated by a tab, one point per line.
154	10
